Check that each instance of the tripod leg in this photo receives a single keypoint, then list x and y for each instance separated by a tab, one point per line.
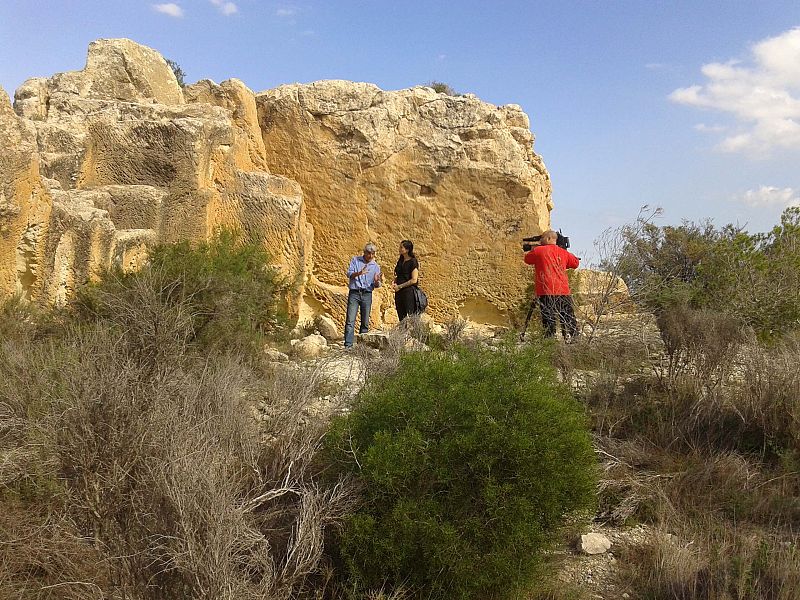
528	319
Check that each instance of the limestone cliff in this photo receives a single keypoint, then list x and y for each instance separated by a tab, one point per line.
455	175
97	165
128	162
25	205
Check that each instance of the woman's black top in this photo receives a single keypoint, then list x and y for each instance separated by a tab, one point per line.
403	269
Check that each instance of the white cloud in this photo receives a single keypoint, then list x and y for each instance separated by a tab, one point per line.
170	8
762	95
226	8
286	12
710	128
768	195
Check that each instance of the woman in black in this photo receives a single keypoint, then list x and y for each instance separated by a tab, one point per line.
406	273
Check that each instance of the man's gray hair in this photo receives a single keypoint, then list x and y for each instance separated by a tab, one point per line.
370	248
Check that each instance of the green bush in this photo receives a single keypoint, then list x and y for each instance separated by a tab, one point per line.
753	276
758	277
232	294
468	459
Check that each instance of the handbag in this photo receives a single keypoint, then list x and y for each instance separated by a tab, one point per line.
420	300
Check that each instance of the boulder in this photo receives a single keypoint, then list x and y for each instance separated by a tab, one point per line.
595	291
594	543
327	327
311	346
116	69
456	175
274	355
374	339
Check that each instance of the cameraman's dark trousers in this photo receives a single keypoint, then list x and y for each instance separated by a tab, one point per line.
555	308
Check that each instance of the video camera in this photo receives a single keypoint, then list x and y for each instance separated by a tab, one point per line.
561	240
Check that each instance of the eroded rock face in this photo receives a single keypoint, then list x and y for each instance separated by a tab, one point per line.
130	162
98	165
25	205
456	175
120	70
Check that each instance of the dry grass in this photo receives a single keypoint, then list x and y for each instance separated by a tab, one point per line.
701	441
711	560
132	466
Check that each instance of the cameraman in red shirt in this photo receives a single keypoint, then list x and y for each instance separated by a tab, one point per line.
552	287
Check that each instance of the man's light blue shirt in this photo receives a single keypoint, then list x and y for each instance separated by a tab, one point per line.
366	281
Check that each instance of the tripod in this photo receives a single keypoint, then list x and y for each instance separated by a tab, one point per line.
534	304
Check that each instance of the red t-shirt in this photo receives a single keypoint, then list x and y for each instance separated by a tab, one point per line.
551	264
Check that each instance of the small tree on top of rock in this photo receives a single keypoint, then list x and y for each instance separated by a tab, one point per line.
180	74
442	88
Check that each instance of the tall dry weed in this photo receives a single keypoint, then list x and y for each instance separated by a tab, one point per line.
140	471
712	561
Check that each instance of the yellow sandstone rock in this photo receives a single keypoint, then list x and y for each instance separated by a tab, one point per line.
98	165
25	205
129	163
457	176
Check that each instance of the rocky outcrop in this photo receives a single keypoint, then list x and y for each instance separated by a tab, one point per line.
456	175
100	164
25	205
119	70
130	162
599	292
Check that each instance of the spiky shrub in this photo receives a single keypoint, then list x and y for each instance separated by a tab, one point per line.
468	460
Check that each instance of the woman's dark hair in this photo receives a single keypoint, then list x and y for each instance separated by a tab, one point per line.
408	245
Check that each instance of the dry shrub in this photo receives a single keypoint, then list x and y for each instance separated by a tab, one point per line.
138	469
701	347
409	335
627	486
647	482
716	389
769	396
712	561
453	330
378	363
15	319
731	393
416	328
619	353
735	487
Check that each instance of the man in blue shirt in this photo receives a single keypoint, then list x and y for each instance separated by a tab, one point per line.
365	275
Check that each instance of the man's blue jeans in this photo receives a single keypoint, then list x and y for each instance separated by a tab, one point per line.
357	299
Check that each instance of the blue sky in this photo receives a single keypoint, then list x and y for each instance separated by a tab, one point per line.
691	106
